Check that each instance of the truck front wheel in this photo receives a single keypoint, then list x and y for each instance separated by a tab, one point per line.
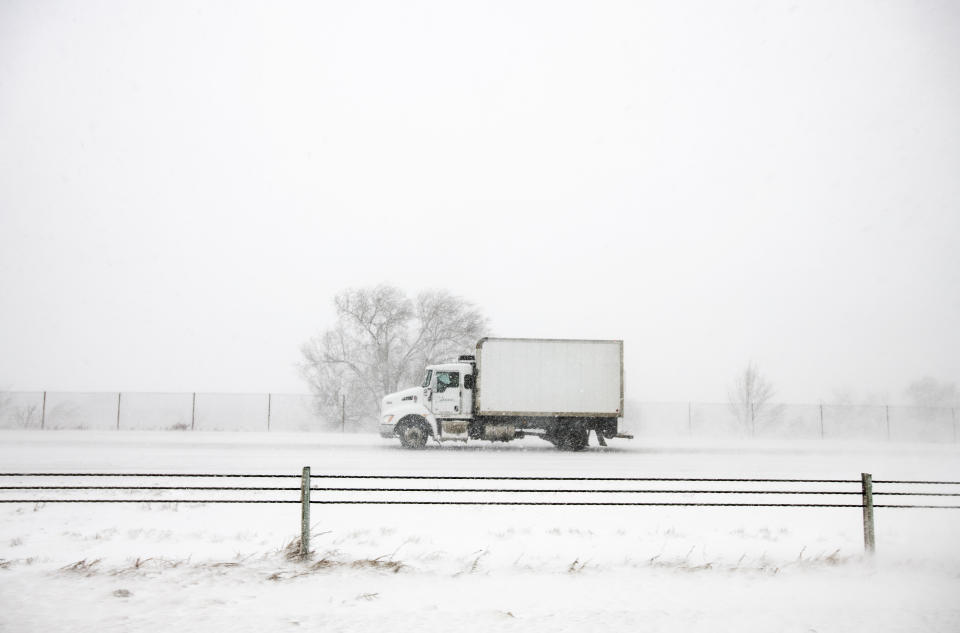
413	434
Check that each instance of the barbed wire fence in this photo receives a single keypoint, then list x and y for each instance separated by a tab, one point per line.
43	488
298	412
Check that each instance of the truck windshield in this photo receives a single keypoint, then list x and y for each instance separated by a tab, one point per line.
426	381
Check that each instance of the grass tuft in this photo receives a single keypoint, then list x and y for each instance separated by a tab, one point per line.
82	566
291	551
576	566
377	563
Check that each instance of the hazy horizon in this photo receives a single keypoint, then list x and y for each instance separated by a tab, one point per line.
187	185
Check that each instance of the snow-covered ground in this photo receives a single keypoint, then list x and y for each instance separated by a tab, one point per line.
213	567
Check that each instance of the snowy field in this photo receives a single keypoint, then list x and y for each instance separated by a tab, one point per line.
212	567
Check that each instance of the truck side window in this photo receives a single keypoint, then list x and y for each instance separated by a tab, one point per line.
447	379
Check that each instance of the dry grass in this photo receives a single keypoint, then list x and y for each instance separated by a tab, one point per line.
576	566
84	567
137	566
291	551
378	563
759	565
145	565
381	563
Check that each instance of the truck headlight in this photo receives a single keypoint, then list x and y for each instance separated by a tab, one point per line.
387	419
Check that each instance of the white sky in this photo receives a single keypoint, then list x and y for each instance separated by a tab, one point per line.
185	185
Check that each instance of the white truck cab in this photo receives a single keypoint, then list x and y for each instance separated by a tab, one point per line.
557	389
445	394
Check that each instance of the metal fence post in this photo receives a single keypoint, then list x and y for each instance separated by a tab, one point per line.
269	406
118	410
193	412
821	420
305	513
869	539
43	414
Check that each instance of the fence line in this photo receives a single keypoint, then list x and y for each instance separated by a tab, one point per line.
306	479
496	490
297	412
450	477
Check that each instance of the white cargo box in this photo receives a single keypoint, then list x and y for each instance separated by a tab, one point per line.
550	377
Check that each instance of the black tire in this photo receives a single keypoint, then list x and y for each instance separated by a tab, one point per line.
574	437
413	435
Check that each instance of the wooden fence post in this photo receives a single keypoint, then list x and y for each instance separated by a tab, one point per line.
43	416
193	412
269	407
869	539
118	410
305	513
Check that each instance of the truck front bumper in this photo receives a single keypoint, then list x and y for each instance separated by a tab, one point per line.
387	430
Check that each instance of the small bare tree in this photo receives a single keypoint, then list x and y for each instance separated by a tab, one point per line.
381	341
751	398
24	416
5	406
932	393
338	396
931	399
27	416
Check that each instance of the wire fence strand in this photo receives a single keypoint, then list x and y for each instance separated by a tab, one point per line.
481	503
473	491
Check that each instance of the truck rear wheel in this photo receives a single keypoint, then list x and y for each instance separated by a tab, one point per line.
572	437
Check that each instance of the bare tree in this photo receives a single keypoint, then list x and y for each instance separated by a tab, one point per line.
338	396
931	399
930	392
381	341
751	400
12	415
27	416
5	406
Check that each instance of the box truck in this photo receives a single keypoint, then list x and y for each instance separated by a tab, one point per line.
558	389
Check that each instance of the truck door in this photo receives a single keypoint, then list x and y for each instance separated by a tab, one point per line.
446	397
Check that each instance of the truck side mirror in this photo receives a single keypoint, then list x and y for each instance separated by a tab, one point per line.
468	381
